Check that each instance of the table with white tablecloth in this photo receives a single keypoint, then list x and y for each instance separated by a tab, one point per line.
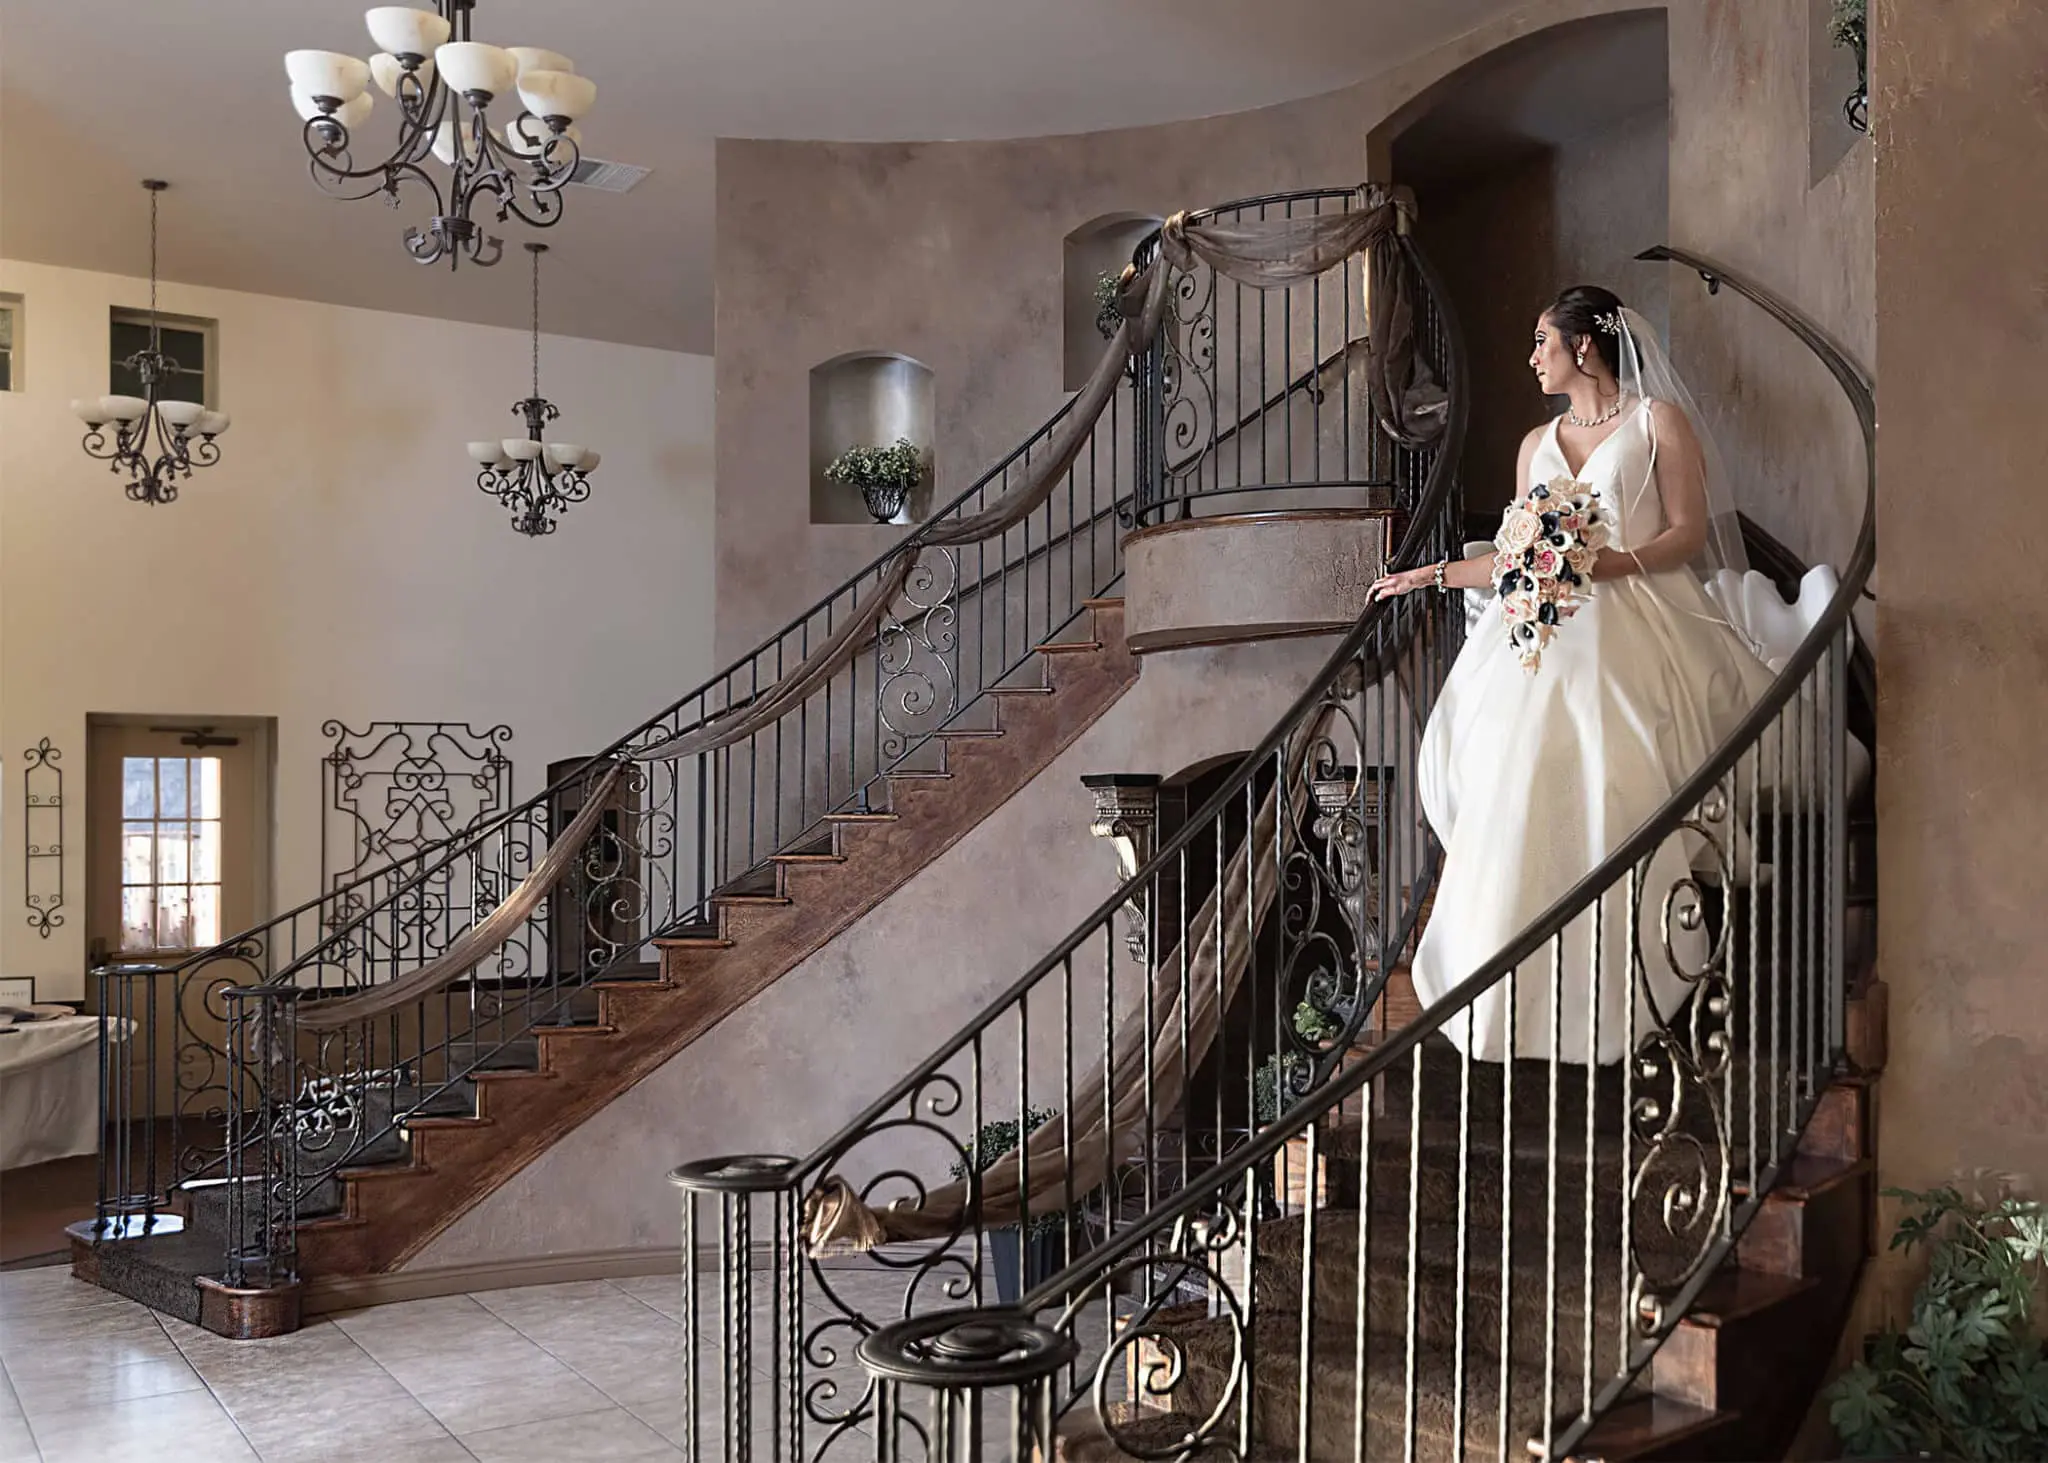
50	1089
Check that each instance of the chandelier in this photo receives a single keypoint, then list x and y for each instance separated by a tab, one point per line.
536	480
444	84
155	442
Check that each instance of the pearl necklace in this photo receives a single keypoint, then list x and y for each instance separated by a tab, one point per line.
1606	416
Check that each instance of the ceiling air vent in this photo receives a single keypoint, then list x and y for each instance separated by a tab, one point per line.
607	177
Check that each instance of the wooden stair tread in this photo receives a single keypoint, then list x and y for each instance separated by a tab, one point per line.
1806	1176
1106	602
1018	691
967	733
1736	1294
1068	647
1640	1425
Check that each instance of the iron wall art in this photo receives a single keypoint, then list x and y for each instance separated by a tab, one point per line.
389	791
42	825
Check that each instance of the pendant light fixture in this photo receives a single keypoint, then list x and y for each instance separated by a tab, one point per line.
155	442
445	86
536	480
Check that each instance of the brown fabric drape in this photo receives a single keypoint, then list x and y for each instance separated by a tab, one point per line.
1267	254
1049	1171
482	939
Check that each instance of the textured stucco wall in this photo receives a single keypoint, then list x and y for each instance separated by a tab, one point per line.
1963	325
947	252
1742	192
791	1067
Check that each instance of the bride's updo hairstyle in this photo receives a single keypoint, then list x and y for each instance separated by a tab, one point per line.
1577	312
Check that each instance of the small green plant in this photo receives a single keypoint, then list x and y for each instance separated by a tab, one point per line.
998	1138
1316	1023
885	476
1109	315
1967	1378
1848	25
1266	1083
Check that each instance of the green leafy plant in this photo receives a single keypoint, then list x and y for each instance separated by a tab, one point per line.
1000	1137
886	476
1266	1083
1967	1378
1848	24
1109	315
1317	1023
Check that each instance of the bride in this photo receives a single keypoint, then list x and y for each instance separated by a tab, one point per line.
1531	777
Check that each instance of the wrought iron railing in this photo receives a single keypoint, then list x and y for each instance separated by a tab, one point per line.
1291	892
1432	1255
275	1110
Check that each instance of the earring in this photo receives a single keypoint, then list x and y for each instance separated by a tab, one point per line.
1580	357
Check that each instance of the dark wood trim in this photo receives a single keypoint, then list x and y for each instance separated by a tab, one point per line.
1274	515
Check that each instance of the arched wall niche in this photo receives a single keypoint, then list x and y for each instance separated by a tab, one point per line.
1541	163
869	398
1103	245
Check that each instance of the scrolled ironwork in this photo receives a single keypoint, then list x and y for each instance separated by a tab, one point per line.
919	687
42	832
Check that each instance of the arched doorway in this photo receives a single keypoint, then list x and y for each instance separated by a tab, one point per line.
1541	164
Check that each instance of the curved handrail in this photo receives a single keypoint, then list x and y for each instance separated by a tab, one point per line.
1436	495
1401	1047
454	845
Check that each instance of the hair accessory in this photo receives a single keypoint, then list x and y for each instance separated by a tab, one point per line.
1609	321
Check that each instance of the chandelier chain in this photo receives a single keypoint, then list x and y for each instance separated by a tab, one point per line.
536	323
155	331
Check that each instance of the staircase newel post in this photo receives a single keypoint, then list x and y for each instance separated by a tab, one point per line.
960	1355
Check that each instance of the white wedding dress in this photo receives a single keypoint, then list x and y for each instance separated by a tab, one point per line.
1530	778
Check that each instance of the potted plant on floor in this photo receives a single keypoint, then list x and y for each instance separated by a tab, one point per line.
1967	1378
886	476
1021	1260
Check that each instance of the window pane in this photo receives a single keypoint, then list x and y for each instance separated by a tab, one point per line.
138	853
205	789
138	919
138	787
173	920
6	328
185	348
170	787
6	370
206	853
173	857
205	916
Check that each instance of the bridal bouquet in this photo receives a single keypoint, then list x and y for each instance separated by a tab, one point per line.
1543	567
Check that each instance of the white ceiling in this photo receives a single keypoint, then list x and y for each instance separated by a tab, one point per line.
96	94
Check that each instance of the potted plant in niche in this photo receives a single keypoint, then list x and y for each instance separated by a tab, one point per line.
1109	315
1848	25
1967	1378
1021	1260
886	476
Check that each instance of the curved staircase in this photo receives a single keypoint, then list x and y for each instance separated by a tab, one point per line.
1266	1209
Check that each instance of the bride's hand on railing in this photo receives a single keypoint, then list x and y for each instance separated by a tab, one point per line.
1391	586
1450	574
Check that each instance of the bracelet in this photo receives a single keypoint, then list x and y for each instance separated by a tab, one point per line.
1437	575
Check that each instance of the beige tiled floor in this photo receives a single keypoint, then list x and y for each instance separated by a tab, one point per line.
593	1370
553	1372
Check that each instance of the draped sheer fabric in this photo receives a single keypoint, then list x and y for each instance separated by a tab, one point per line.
1267	254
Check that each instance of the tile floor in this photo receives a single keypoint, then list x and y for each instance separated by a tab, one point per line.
582	1371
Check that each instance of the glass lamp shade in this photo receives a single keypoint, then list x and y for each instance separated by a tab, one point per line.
386	69
521	449
589	463
488	454
122	408
447	137
327	74
180	414
472	66
211	423
526	135
533	58
557	94
405	31
89	411
350	114
566	454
